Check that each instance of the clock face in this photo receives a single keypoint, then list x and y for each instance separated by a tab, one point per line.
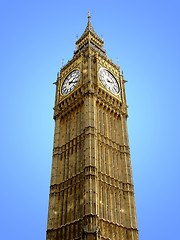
109	81
70	82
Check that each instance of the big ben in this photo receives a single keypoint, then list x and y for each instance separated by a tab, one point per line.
91	190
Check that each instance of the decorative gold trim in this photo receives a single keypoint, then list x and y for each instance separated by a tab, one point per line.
107	63
100	84
74	62
77	86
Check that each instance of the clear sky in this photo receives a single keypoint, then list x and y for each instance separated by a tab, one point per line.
35	37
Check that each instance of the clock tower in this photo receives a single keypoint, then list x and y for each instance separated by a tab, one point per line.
91	191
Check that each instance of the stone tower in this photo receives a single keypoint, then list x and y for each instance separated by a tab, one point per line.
91	192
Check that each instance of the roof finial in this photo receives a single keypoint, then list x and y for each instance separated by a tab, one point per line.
89	15
62	61
117	59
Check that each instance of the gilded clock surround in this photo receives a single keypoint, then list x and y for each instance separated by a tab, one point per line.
76	85
104	87
91	192
63	77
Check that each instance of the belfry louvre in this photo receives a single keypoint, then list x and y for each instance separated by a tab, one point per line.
91	191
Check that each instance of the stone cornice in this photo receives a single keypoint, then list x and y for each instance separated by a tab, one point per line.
119	225
104	99
71	144
101	177
93	215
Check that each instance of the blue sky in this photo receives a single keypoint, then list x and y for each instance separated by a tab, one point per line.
35	37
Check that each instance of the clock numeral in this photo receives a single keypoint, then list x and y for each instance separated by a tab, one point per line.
109	81
70	82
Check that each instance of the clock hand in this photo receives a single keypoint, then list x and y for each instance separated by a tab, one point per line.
109	81
72	82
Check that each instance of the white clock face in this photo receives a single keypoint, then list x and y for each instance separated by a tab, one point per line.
109	81
70	82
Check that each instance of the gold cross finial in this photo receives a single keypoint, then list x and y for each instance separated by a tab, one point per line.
89	14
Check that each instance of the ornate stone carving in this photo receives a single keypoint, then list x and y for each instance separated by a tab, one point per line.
91	193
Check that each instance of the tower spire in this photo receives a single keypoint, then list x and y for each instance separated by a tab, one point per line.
94	41
89	27
89	15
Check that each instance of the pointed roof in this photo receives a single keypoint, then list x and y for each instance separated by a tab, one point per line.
89	28
90	39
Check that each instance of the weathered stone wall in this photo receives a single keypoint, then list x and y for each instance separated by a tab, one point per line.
91	192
